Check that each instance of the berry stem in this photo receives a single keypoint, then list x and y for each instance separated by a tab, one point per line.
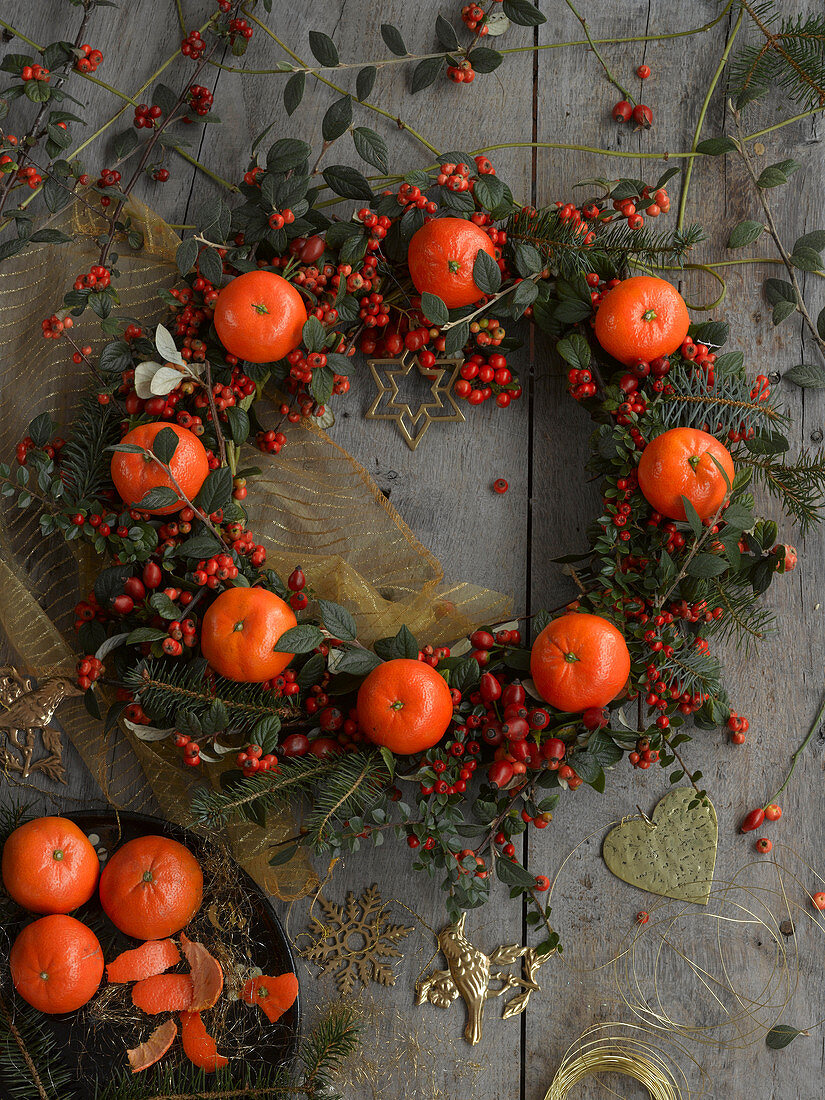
723	60
616	84
817	722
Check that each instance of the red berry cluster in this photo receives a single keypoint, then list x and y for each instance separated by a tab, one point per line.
408	195
279	218
200	99
253	759
482	379
455	177
472	16
54	326
462	73
109	177
96	278
89	669
738	727
90	60
239	27
52	448
34	72
253	177
146	116
193	46
28	174
640	114
270	442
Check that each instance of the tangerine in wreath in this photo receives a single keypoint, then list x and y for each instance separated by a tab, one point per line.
441	256
260	317
641	318
135	474
680	463
49	865
151	887
56	964
404	705
579	661
239	633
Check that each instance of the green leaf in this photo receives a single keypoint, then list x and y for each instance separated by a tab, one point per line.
287	154
312	671
809	376
186	254
356	661
323	48
486	273
210	266
489	192
781	1035
165	444
434	309
265	733
41	429
145	634
294	92
238	419
38	92
806	259
692	517
456	337
164	97
716	147
426	73
200	546
403	644
388	759
524	295
779	290
513	874
782	311
161	603
283	856
371	147
575	350
527	259
216	491
706	565
313	334
771	443
159	497
745	233
820	323
393	40
365	82
445	33
777	174
347	182
337	119
338	621
523	12
125	143
300	639
485	60
815	240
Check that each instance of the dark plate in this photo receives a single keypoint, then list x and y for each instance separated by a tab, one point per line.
93	1045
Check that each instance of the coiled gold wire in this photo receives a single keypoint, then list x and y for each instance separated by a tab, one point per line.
602	1049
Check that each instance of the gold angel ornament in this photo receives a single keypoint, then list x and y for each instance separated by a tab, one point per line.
469	974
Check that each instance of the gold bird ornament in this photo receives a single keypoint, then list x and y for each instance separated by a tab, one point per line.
469	974
25	711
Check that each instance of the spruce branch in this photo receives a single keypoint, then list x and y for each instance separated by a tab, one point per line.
744	619
791	57
798	485
761	192
690	401
84	461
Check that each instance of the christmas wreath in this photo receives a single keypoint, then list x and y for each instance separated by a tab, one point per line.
209	653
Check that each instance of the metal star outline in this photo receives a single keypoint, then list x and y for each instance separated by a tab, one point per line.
413	426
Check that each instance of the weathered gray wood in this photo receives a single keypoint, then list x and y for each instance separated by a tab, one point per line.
442	491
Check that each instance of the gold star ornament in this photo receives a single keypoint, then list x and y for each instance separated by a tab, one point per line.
439	407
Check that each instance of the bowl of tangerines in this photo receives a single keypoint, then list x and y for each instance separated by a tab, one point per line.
137	942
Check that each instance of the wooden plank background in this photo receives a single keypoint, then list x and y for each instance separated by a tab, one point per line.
504	542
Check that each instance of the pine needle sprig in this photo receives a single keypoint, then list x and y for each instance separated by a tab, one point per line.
30	1064
719	408
789	56
333	1039
342	786
799	486
84	461
561	243
744	620
696	672
164	688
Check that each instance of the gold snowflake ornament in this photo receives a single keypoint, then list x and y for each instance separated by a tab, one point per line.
354	939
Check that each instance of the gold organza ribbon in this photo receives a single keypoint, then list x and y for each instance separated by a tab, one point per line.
313	505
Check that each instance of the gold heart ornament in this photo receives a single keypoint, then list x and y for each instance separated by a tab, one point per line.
672	854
